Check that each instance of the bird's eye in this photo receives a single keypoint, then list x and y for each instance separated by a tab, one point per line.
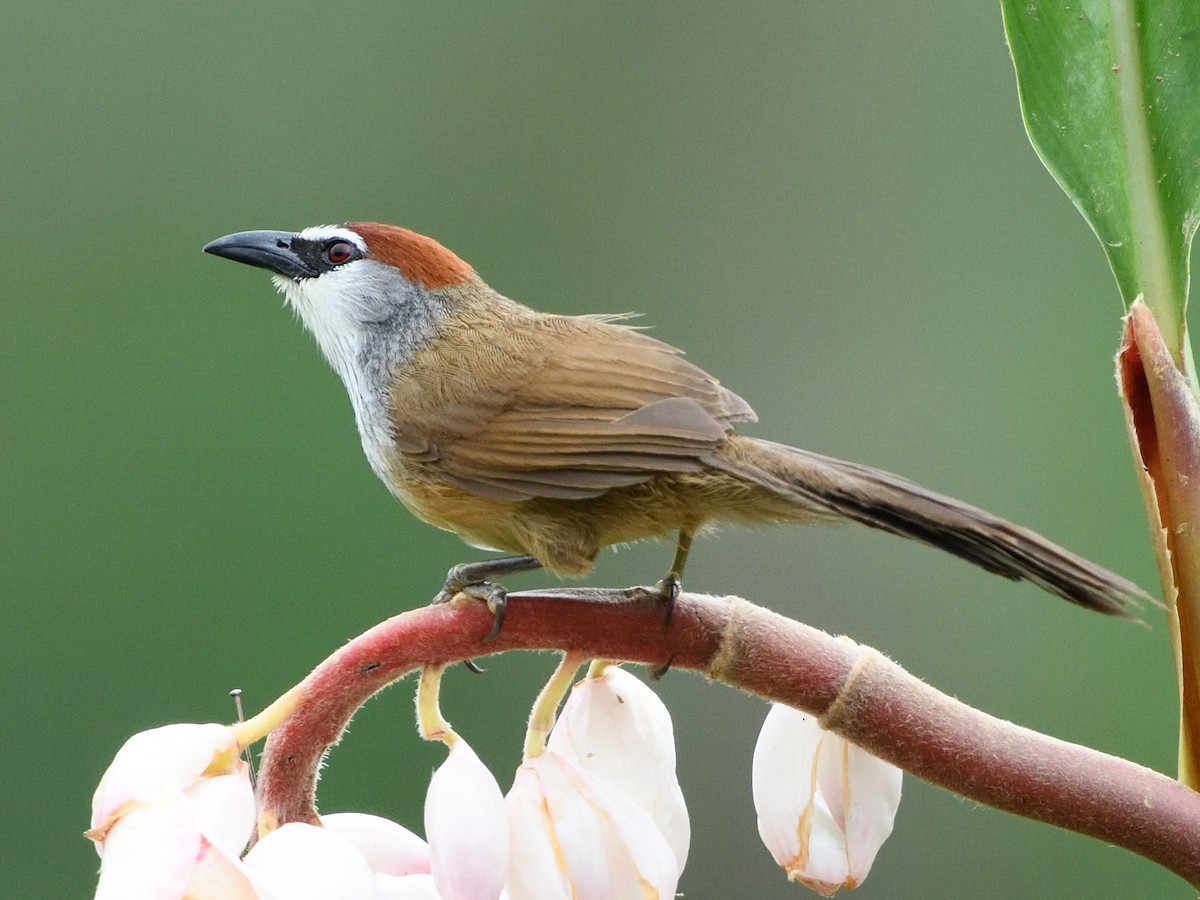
338	252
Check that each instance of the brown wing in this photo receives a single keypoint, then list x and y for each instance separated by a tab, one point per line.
577	407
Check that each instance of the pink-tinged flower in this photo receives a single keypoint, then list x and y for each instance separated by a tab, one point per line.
467	828
171	816
305	862
388	847
576	836
408	887
157	852
824	805
615	727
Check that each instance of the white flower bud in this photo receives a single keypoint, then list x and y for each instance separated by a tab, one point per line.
824	805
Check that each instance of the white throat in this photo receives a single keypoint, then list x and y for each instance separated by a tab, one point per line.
324	305
367	319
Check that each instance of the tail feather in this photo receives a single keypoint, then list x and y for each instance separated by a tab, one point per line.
823	485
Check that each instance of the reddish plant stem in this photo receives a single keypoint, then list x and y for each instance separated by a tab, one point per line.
1163	420
854	689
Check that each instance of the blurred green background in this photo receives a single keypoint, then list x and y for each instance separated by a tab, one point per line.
833	209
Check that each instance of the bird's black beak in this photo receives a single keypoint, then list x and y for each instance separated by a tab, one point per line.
273	250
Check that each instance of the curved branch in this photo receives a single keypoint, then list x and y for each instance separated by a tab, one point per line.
855	690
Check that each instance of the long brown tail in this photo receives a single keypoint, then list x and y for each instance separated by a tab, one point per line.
823	485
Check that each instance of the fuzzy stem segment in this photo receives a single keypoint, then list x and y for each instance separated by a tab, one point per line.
597	666
541	718
259	726
430	722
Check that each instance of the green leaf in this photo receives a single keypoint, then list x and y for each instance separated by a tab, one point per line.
1110	94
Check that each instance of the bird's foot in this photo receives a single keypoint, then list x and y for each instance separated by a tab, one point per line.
668	592
493	594
472	579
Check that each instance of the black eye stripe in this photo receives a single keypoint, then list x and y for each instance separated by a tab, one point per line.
326	254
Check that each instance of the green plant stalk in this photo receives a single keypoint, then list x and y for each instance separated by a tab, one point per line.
1163	288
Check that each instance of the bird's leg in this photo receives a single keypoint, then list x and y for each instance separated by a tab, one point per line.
668	590
672	584
472	579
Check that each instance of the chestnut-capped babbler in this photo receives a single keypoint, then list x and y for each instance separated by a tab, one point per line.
552	436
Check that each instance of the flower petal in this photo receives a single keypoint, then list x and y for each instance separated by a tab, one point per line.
219	877
574	835
304	862
388	847
149	853
617	728
467	828
408	887
871	806
225	811
537	868
784	787
157	762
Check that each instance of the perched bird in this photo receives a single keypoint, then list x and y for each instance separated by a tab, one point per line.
553	436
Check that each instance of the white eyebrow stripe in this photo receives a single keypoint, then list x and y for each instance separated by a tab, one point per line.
319	233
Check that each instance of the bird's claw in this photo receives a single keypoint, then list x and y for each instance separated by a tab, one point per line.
668	592
494	595
659	671
458	579
445	595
